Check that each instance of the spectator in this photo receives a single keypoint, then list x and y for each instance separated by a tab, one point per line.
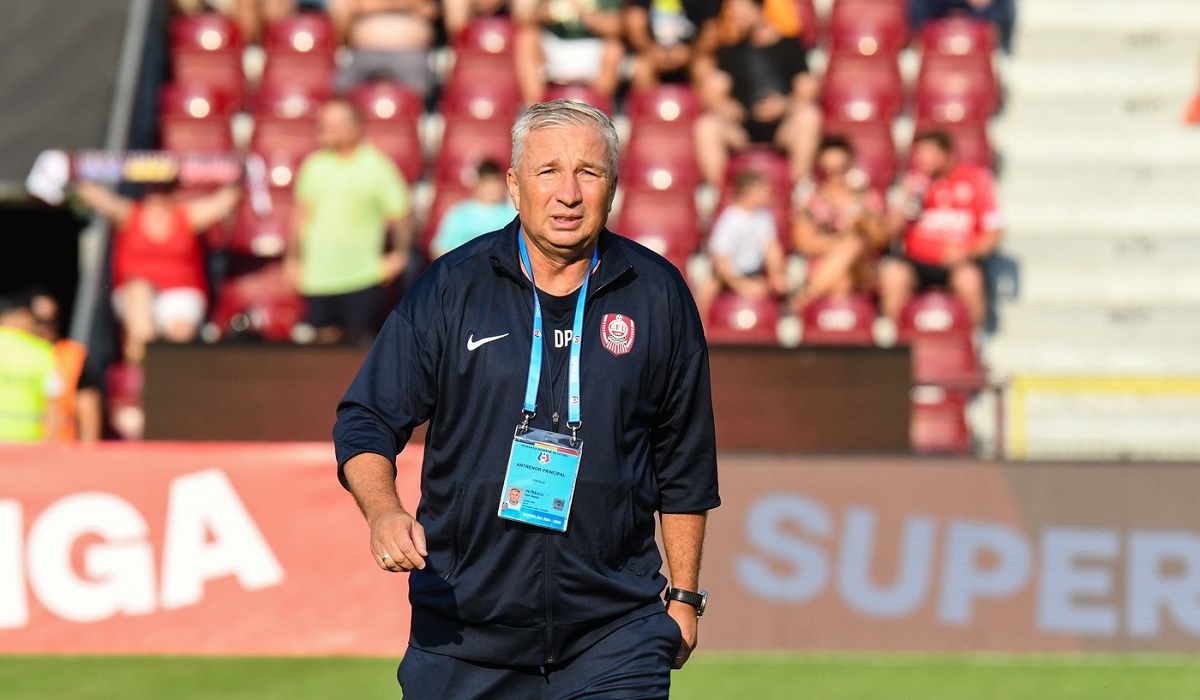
757	89
487	209
1002	13
348	195
160	290
839	227
457	14
567	41
662	35
29	380
76	412
744	246
950	221
388	39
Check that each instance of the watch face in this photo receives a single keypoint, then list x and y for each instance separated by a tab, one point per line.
703	603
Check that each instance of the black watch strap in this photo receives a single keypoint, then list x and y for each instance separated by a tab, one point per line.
699	601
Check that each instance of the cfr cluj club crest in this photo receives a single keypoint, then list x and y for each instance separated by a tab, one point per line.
617	333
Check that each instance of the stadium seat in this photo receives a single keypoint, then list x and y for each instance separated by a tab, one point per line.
206	49
969	78
195	118
125	384
971	143
938	424
479	70
874	149
300	51
766	160
665	222
391	120
940	332
810	23
839	321
670	166
258	304
465	143
262	235
958	36
862	88
487	36
285	120
868	27
733	320
667	103
582	93
481	99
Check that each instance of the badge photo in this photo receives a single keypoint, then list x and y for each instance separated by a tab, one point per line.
617	332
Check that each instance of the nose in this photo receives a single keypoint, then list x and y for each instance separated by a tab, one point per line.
568	191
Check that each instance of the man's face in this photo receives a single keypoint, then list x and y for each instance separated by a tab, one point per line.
45	314
929	159
833	162
337	128
514	496
562	188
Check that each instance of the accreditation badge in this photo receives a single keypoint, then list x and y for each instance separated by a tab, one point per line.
540	481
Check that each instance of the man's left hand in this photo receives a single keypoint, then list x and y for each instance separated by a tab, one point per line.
684	616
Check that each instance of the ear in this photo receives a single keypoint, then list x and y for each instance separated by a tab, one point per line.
513	190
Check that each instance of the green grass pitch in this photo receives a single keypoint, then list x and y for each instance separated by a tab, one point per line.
708	676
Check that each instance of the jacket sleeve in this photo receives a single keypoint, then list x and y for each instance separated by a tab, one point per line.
394	391
685	450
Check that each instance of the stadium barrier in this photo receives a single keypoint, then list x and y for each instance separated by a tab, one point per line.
255	549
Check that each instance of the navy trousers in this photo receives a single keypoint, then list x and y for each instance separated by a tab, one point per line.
634	662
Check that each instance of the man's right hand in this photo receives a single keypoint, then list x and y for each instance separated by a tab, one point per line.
398	542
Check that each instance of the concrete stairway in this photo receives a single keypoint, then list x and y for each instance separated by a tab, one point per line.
1101	187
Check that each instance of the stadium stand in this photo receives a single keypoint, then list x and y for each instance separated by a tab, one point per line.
391	120
839	321
735	320
207	49
868	27
195	117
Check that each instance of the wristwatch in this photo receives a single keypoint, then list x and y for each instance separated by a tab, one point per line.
699	601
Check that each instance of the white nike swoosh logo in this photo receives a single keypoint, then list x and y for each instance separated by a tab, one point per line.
473	344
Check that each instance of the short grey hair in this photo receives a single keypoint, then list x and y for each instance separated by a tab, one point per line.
559	113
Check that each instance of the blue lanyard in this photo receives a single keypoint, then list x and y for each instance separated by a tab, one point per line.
535	350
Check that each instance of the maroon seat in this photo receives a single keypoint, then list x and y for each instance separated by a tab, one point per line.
765	160
300	51
264	234
868	27
465	144
582	93
481	99
286	119
448	194
839	321
938	424
206	49
971	142
940	332
958	36
667	103
488	36
195	118
391	120
810	24
862	88
260	303
969	78
665	222
734	320
672	166
874	149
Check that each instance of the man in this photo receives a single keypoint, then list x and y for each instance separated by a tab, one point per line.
29	380
488	208
950	223
348	195
562	598
77	411
566	42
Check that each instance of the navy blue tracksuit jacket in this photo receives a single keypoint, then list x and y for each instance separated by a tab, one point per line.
497	591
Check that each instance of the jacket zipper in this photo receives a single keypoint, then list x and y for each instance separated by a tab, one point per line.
549	603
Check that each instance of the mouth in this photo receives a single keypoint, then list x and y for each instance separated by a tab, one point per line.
566	221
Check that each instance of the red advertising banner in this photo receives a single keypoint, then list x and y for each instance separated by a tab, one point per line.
191	549
255	549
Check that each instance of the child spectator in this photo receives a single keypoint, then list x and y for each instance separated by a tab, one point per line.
839	227
567	41
950	223
757	89
487	209
744	246
160	290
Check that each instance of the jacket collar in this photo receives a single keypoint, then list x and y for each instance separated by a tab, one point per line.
506	258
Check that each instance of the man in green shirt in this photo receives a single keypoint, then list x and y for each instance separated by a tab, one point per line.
348	196
28	379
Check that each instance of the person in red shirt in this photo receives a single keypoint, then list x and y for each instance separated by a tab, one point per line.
950	224
159	282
